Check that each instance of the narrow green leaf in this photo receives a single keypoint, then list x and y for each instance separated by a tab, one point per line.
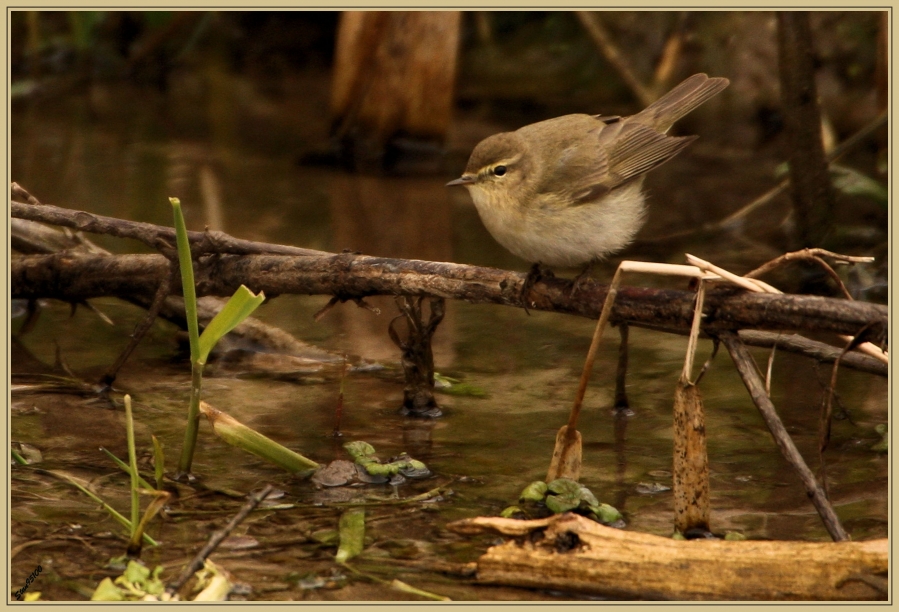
124	466
399	585
185	262
238	308
352	534
132	468
159	462
112	511
852	182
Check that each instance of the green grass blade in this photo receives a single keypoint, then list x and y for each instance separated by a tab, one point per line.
124	466
185	262
132	467
159	462
112	511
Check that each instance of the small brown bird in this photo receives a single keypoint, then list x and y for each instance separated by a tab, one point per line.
568	191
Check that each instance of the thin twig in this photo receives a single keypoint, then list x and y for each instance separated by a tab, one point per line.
819	351
607	47
754	384
814	255
165	288
805	254
621	400
759	286
827	417
769	372
217	539
687	372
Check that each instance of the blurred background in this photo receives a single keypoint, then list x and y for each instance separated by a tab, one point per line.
339	130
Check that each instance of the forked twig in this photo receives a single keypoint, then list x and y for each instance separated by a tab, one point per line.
816	255
217	539
762	287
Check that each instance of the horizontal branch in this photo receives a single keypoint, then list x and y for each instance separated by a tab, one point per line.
349	276
819	351
156	236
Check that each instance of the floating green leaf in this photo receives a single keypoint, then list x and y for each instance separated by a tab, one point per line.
511	511
352	534
587	496
534	492
606	513
359	450
135	584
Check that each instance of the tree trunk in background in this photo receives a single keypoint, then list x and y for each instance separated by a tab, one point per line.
393	78
813	197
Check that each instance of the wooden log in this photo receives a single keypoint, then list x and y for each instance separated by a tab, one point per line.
571	553
394	73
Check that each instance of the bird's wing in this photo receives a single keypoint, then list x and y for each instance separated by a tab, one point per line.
615	154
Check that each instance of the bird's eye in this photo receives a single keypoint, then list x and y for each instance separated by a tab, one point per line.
499	170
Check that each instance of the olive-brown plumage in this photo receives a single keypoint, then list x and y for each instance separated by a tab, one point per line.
568	190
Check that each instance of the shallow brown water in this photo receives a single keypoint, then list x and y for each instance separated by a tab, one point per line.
484	449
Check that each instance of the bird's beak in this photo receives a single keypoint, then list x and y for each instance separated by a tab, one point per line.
465	179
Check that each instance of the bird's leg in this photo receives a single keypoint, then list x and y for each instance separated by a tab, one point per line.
535	274
580	278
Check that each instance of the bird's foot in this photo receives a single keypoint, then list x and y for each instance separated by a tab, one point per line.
580	278
535	274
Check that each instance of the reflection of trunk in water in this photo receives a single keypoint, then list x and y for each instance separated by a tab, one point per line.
388	217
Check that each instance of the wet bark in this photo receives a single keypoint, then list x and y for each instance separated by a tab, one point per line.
348	276
418	358
690	471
